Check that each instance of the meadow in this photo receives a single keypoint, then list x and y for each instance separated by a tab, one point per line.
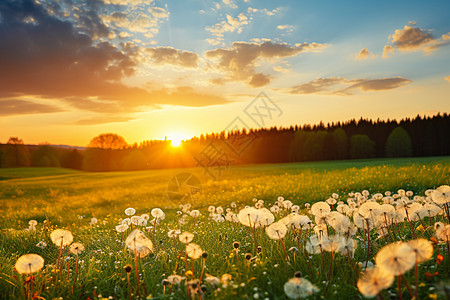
91	205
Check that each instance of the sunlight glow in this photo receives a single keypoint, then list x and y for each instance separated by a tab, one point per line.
176	139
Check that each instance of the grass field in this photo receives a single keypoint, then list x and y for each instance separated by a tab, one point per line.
69	199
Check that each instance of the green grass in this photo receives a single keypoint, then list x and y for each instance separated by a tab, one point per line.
68	199
42	193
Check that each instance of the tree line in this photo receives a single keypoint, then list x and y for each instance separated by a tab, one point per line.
354	139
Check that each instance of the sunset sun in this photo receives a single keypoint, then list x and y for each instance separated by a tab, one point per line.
176	139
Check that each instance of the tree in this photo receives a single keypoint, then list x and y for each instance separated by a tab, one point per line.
398	143
45	156
341	143
72	160
361	146
108	141
16	153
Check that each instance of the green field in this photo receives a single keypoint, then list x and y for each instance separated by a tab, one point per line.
40	193
69	199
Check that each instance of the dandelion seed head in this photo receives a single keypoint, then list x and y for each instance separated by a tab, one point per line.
61	237
29	263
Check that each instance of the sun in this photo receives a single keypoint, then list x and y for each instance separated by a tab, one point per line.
176	139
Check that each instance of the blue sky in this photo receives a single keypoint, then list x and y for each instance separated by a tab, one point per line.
73	69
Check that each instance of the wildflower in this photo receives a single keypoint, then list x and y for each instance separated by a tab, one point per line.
32	224
225	279
248	216
331	201
126	221
41	244
193	250
320	208
334	243
236	245
138	242
276	231
219	210
441	195
128	268
146	217
173	233
76	248
29	263
61	237
370	209
348	248
158	213
212	280
93	221
186	237
130	211
121	228
422	248
373	281
296	288
194	213
175	279
395	258
135	220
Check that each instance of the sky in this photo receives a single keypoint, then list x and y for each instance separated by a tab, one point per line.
149	69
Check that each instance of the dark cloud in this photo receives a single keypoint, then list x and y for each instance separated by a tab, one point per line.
336	85
411	38
240	60
172	56
10	107
51	58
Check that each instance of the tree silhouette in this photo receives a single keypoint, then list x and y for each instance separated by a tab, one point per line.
108	141
16	153
361	146
398	143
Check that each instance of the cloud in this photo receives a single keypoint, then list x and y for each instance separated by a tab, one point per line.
412	38
51	59
447	78
172	56
10	107
270	12
231	24
387	50
240	60
342	86
364	54
287	28
104	119
230	4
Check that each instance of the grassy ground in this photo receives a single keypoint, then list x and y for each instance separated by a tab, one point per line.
68	199
40	193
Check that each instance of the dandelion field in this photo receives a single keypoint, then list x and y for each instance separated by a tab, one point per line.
258	232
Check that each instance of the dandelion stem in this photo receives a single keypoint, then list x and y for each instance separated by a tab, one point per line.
368	242
31	283
399	283
284	249
415	279
409	222
185	258
137	272
407	286
203	270
59	255
330	271
129	286
76	271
